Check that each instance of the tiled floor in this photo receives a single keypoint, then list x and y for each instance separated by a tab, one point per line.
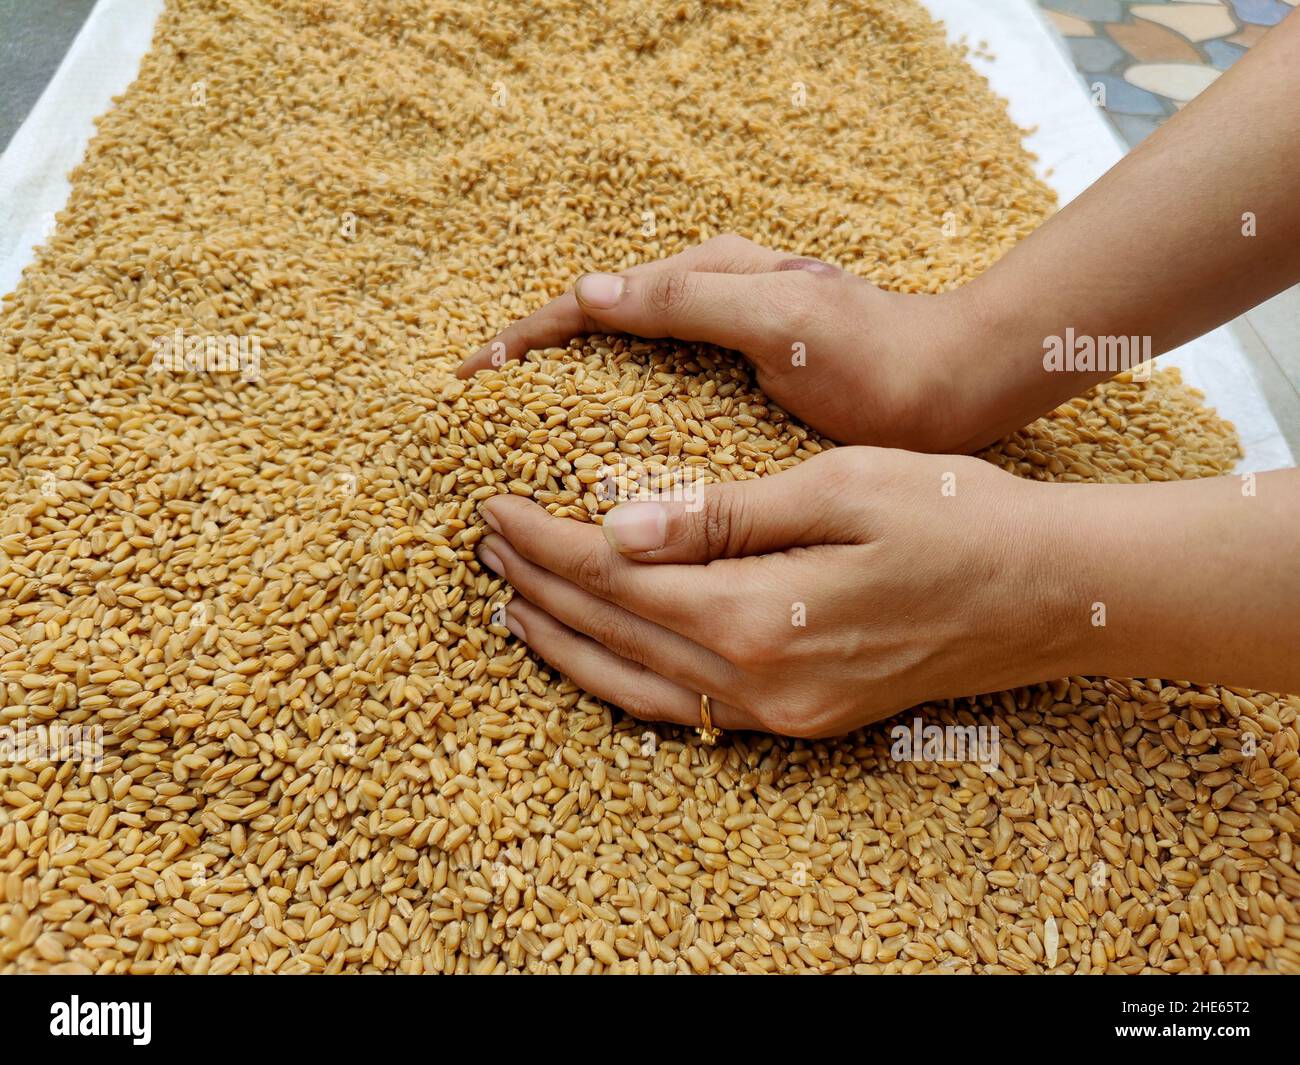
1142	62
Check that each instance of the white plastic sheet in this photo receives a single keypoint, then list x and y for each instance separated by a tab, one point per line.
101	63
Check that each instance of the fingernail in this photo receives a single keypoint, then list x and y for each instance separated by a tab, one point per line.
637	526
514	625
601	291
488	517
489	558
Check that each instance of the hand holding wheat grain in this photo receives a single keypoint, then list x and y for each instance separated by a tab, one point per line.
808	603
857	363
865	581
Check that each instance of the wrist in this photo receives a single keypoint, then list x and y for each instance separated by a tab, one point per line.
945	344
1053	577
1129	564
981	337
997	359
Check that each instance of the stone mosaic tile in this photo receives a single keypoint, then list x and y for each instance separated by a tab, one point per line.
1179	82
1121	97
1261	12
1249	36
1135	128
1070	25
1089	10
1094	54
1143	61
1223	53
1148	43
1196	22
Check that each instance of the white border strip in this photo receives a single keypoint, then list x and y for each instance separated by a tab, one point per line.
102	62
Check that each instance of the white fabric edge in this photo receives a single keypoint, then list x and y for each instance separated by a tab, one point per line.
101	63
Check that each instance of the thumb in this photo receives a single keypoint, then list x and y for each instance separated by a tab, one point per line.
807	505
743	312
758	314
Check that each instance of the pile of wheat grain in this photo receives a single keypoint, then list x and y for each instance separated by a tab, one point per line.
260	589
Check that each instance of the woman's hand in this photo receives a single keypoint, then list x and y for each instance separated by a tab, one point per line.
855	585
861	365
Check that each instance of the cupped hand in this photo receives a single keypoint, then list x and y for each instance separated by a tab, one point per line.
857	363
857	584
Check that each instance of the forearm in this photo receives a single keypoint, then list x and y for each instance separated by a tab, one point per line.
1157	248
1192	580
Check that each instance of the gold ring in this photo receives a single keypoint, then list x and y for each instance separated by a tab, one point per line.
708	734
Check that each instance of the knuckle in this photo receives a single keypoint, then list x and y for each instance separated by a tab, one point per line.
769	717
637	701
669	292
724	263
592	571
752	650
729	242
843	468
615	628
799	308
798	719
716	523
729	254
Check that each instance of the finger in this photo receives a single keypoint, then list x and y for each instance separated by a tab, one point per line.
739	311
670	596
726	254
800	507
624	632
551	327
756	314
762	315
642	692
564	318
